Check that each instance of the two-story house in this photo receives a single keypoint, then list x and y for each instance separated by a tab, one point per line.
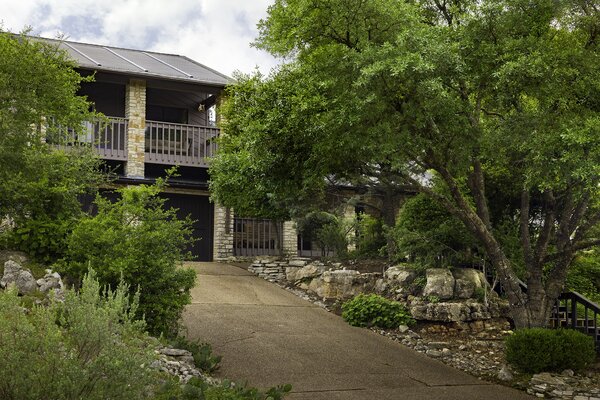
162	112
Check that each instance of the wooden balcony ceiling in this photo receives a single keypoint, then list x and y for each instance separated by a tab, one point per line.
141	63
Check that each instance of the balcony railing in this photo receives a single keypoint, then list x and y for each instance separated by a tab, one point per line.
109	138
179	144
165	143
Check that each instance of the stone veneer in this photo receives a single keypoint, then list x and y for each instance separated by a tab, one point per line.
135	112
290	239
223	234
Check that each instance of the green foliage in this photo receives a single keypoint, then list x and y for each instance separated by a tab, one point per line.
197	389
43	238
430	235
39	184
381	94
535	350
88	347
204	358
374	310
328	230
136	240
370	239
584	275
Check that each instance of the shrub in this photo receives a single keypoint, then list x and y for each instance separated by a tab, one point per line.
135	239
328	230
202	353
230	391
426	233
537	349
87	347
374	310
370	239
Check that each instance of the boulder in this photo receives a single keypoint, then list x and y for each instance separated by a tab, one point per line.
467	280
400	275
20	277
342	284
51	280
440	283
310	271
441	312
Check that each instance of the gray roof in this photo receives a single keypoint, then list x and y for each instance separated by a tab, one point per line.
141	63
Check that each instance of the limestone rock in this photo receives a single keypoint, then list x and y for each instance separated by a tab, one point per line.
342	284
440	283
504	374
21	278
310	271
51	280
400	274
467	280
442	312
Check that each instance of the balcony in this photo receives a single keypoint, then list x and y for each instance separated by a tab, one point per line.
165	143
179	144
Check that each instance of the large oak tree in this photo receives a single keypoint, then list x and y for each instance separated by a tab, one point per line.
388	91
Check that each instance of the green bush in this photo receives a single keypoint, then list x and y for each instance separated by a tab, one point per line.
136	240
328	230
370	239
374	310
202	353
231	391
89	347
584	275
537	349
426	233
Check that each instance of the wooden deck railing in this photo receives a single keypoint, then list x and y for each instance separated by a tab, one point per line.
179	144
108	137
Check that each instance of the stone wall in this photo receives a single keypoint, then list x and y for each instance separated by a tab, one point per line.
135	112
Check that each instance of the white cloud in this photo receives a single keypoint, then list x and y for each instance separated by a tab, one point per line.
216	33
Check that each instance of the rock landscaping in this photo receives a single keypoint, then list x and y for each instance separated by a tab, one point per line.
461	321
22	278
180	364
444	295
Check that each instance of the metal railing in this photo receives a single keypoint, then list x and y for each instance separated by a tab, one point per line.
575	311
109	138
256	237
179	144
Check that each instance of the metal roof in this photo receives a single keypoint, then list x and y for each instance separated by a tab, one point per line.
141	63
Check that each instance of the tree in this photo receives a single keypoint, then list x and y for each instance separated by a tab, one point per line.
40	184
463	90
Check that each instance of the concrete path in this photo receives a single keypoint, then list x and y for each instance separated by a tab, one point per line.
268	336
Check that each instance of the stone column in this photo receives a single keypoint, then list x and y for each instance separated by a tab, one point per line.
349	218
135	112
223	233
290	239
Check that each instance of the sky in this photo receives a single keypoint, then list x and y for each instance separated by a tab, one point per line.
216	33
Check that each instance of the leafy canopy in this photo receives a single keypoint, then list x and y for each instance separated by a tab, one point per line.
384	93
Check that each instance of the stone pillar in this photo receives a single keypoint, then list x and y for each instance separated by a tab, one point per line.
290	239
350	219
223	233
135	112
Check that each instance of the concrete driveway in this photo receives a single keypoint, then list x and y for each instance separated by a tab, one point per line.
268	336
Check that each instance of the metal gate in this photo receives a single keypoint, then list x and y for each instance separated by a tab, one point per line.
256	237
